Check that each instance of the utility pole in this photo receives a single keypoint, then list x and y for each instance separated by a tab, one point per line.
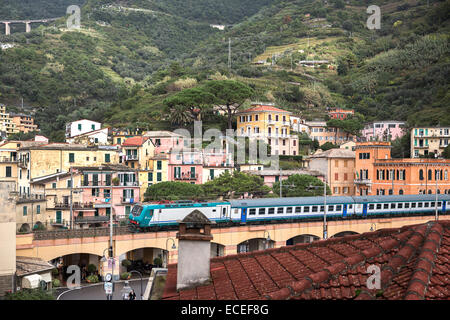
281	184
229	54
111	255
436	203
325	227
71	198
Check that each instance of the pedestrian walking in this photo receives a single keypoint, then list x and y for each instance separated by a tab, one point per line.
132	295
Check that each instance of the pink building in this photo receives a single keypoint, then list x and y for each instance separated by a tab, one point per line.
107	189
272	176
186	165
383	131
165	141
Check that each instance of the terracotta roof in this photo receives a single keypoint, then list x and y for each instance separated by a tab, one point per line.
29	265
413	261
260	108
135	141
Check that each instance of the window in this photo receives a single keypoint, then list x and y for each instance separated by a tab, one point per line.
262	211
79	127
280	210
314	209
150	176
378	206
38	209
107	157
400	206
54	185
407	205
426	204
24	210
419	205
413	205
271	210
330	208
322	209
298	209
93	126
306	209
371	206
289	210
8	172
339	207
386	206
392	205
69	183
252	212
95	192
158	165
71	157
159	176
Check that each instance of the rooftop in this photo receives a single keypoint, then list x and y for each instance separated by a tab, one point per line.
28	265
263	108
334	153
413	262
135	141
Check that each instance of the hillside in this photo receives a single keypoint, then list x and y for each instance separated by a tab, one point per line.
130	55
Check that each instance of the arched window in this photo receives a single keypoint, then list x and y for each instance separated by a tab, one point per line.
421	174
429	191
430	174
438	191
446	175
400	191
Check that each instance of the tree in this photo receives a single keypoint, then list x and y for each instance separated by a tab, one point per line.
179	115
446	152
335	124
299	185
172	190
328	145
238	184
192	99
229	96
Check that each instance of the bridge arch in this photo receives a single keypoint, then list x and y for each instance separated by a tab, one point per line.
302	238
344	233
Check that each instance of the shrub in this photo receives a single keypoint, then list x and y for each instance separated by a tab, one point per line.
56	283
55	272
115	181
92	278
125	275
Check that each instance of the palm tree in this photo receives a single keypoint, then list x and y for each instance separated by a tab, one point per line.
179	115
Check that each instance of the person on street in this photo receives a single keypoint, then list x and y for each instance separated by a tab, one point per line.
132	295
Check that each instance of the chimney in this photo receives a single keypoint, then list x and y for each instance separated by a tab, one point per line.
194	250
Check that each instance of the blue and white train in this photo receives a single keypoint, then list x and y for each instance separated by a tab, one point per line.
270	209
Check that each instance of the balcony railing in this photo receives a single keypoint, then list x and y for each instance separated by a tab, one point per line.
75	205
92	219
131	157
31	197
8	159
109	184
363	181
59	222
127	200
186	176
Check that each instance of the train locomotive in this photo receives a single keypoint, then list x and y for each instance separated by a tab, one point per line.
244	211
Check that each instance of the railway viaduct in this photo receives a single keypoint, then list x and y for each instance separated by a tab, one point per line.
49	245
26	22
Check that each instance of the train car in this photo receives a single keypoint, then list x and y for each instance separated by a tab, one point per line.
154	214
289	208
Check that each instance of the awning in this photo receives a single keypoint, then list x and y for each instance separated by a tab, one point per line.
32	281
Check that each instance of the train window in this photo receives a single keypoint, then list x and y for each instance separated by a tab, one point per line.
407	205
426	204
289	210
280	210
224	212
392	205
413	205
350	206
236	211
306	209
160	210
214	210
439	204
371	206
339	207
433	204
271	210
262	211
314	209
252	212
386	206
419	205
330	208
378	206
322	208
400	206
298	209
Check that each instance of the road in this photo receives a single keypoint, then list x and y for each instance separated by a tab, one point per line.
96	292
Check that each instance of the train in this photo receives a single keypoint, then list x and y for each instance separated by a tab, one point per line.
243	211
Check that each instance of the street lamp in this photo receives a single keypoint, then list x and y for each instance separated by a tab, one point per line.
140	274
167	249
436	203
103	259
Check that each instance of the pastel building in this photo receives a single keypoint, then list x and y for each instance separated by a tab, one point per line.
272	176
24	123
319	131
165	141
271	124
383	131
340	114
186	165
426	140
78	127
298	124
378	174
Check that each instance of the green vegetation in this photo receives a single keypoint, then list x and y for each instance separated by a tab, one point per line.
300	185
125	276
92	278
129	67
172	190
30	294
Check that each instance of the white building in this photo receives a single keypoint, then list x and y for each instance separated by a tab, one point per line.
298	125
96	137
76	128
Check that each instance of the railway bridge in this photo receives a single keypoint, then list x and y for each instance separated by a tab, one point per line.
87	246
26	22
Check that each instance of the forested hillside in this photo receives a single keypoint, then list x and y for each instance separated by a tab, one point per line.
131	55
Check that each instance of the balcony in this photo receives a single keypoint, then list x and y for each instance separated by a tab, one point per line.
9	160
131	157
75	206
109	184
187	177
31	198
127	200
363	181
59	222
92	219
286	123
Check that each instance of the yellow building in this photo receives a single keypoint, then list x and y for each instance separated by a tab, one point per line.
31	209
6	122
427	140
24	123
270	124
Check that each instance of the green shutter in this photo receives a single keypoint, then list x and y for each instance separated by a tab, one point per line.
25	210
38	209
150	177
159	176
107	157
71	157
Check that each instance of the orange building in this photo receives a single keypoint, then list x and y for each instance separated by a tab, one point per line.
340	113
24	123
378	174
